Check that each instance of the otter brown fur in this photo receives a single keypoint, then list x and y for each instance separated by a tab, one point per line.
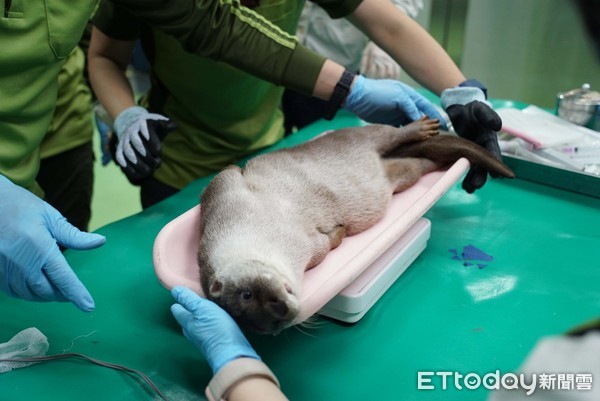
264	225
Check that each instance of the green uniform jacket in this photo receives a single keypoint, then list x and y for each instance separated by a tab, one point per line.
226	31
222	114
71	123
37	36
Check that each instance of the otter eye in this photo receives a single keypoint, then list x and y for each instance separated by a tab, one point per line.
246	295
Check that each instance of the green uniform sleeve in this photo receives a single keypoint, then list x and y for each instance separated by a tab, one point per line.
224	30
338	8
116	22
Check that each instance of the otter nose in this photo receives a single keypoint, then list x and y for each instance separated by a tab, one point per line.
278	307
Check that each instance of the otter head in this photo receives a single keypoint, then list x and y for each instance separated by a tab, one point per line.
257	296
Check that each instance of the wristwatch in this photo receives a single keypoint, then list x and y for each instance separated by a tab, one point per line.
339	93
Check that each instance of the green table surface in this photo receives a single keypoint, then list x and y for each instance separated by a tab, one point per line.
440	315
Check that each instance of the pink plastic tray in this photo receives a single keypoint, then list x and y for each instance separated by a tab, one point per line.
176	245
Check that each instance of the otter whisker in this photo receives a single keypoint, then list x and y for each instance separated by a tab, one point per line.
297	327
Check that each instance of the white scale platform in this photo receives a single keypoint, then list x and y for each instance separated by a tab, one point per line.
354	301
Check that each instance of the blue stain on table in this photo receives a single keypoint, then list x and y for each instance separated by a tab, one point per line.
472	256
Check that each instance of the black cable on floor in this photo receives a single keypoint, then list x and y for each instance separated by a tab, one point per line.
144	377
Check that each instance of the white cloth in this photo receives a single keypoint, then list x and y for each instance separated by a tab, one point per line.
343	43
25	344
376	63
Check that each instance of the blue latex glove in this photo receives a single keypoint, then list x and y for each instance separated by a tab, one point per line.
474	119
386	101
32	267
138	149
210	329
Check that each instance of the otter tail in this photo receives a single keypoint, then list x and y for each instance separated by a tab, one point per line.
447	149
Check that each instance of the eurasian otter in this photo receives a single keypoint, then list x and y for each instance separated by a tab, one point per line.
264	225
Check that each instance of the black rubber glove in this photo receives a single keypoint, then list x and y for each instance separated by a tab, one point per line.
479	123
147	164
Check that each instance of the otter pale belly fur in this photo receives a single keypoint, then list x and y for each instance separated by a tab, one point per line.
264	225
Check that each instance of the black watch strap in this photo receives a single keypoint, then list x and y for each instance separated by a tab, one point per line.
339	94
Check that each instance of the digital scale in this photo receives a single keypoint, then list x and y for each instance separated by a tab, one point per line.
351	304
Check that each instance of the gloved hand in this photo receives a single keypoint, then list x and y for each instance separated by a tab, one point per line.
138	149
375	63
474	119
386	101
32	266
210	329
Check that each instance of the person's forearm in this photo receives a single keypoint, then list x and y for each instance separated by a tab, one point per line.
408	43
256	387
107	60
328	77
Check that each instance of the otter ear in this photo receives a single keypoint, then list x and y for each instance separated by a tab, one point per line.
233	167
216	289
